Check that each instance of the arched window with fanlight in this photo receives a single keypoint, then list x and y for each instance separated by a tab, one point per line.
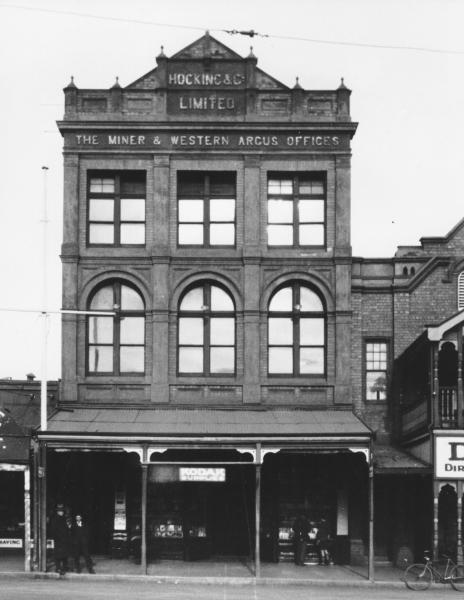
206	331
296	332
116	343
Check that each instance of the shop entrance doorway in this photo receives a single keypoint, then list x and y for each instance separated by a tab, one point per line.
202	517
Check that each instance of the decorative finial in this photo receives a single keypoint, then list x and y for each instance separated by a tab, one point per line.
297	85
251	55
116	83
161	54
342	85
207	32
71	84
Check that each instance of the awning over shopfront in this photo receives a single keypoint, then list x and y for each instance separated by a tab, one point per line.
393	461
206	422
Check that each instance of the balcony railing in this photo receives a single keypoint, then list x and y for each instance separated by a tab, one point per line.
448	401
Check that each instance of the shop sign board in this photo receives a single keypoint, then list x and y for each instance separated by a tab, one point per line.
249	140
449	457
205	474
11	543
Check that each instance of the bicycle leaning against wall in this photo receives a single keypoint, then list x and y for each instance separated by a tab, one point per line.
419	576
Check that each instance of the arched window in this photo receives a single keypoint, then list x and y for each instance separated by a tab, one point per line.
461	290
296	332
116	343
206	332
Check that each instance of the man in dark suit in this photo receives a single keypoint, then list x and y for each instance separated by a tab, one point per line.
300	528
61	539
81	545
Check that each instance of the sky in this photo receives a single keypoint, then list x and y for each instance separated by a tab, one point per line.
408	154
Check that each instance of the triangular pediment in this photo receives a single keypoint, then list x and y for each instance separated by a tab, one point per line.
208	53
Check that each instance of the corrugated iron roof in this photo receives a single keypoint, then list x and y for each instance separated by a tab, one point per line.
206	422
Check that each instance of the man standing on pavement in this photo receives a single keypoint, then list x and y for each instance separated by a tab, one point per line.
81	545
61	539
301	529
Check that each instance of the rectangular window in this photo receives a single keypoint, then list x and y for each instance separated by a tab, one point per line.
376	370
296	210
116	209
206	209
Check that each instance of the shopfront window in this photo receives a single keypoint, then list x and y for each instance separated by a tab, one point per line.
296	210
116	209
376	370
116	343
206	332
296	332
206	209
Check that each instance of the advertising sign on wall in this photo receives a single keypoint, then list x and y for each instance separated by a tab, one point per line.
449	457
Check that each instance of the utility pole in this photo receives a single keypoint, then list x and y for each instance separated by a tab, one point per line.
43	377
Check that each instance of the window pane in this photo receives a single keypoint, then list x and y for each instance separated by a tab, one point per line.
101	234
312	361
280	186
282	300
311	235
101	359
280	331
100	330
130	299
132	233
133	330
222	210
190	234
191	211
280	211
312	332
101	209
102	185
222	234
193	300
311	211
222	360
309	301
132	359
103	299
376	385
279	235
280	360
220	300
311	187
132	209
222	332
191	331
190	360
135	183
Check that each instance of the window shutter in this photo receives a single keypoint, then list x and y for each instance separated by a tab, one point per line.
461	290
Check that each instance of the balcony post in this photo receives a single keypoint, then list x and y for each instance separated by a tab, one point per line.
459	522
436	422
436	494
460	398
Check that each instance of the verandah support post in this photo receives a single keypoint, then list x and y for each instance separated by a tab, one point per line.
144	519
258	520
436	493
371	574
27	520
435	409
42	476
459	522
35	496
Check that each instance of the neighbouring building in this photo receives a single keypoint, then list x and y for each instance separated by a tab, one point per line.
232	365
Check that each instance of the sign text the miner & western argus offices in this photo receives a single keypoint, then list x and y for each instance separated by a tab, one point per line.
194	140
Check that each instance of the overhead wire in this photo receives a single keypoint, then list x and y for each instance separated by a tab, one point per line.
249	33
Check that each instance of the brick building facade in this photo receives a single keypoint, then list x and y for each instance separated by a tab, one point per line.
230	333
